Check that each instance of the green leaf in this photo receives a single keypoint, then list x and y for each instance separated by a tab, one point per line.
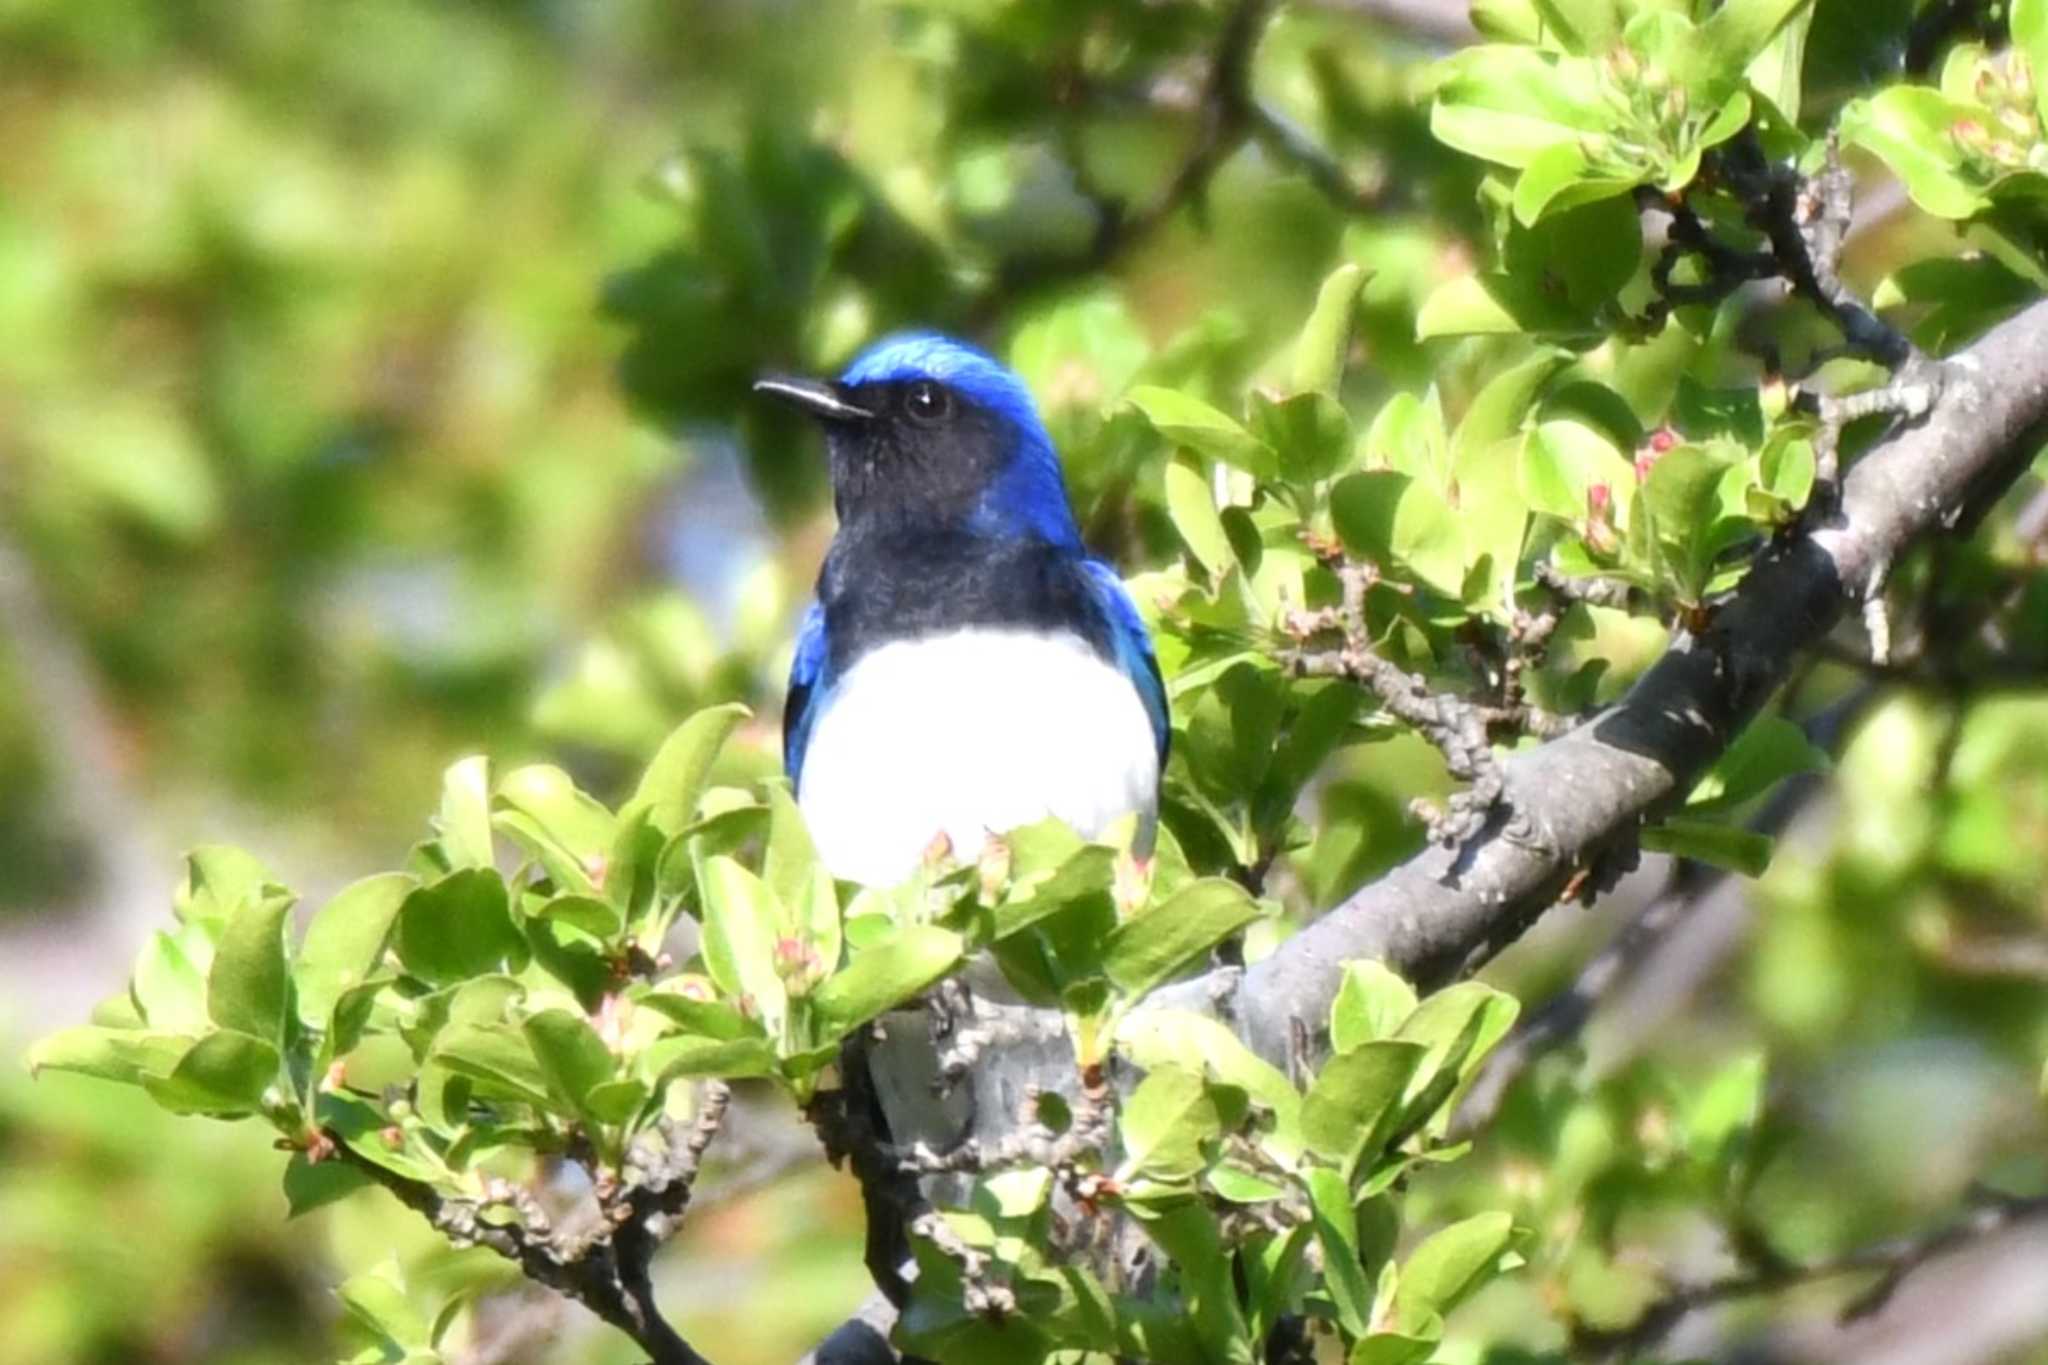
1959	297
1351	1107
799	880
706	1018
1502	408
309	1185
1727	1105
741	926
1561	460
168	989
1158	1038
1189	422
615	1101
1164	1124
224	1073
1407	435
1394	1348
247	988
564	827
1325	340
1310	433
1508	104
667	1059
1192	507
464	824
1402	524
1459	1025
1336	1229
217	879
1738	32
1682	496
1728	846
681	768
456	928
1491	304
1372	1001
1189	1236
1449	1265
497	1055
112	1054
345	941
377	1299
1143	952
571	1055
883	977
598	918
1770	750
1911	128
1562	177
2027	22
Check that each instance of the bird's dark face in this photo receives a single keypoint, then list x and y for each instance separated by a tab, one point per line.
906	449
925	433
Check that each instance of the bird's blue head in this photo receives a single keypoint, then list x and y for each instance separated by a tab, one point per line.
926	430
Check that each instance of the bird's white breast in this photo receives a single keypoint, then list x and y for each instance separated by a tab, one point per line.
970	733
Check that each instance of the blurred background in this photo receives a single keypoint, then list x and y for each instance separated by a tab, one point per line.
373	392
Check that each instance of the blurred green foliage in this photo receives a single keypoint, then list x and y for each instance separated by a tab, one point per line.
375	370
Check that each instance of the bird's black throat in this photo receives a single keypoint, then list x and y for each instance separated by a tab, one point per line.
882	584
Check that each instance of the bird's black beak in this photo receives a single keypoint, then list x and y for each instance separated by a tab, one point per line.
813	396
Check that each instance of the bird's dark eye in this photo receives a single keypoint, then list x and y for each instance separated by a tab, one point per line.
927	402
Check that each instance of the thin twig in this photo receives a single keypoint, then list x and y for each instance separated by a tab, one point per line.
1893	1259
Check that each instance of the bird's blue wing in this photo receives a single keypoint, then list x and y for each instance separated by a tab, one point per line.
1132	644
806	692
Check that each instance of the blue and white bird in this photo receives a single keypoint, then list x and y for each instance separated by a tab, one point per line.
967	666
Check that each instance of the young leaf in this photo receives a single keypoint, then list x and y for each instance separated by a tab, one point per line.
1355	1099
1372	1001
1143	952
247	988
456	928
561	825
1729	846
598	918
681	768
1155	1039
1400	522
464	824
883	977
112	1054
496	1055
309	1185
799	879
741	928
1771	749
1325	340
345	941
1190	422
1164	1124
169	990
224	1074
377	1299
1336	1229
571	1055
667	1059
1192	507
1449	1265
1309	432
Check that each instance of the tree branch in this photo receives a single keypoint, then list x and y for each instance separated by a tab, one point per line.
609	1268
1894	1259
1568	802
1565	1015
